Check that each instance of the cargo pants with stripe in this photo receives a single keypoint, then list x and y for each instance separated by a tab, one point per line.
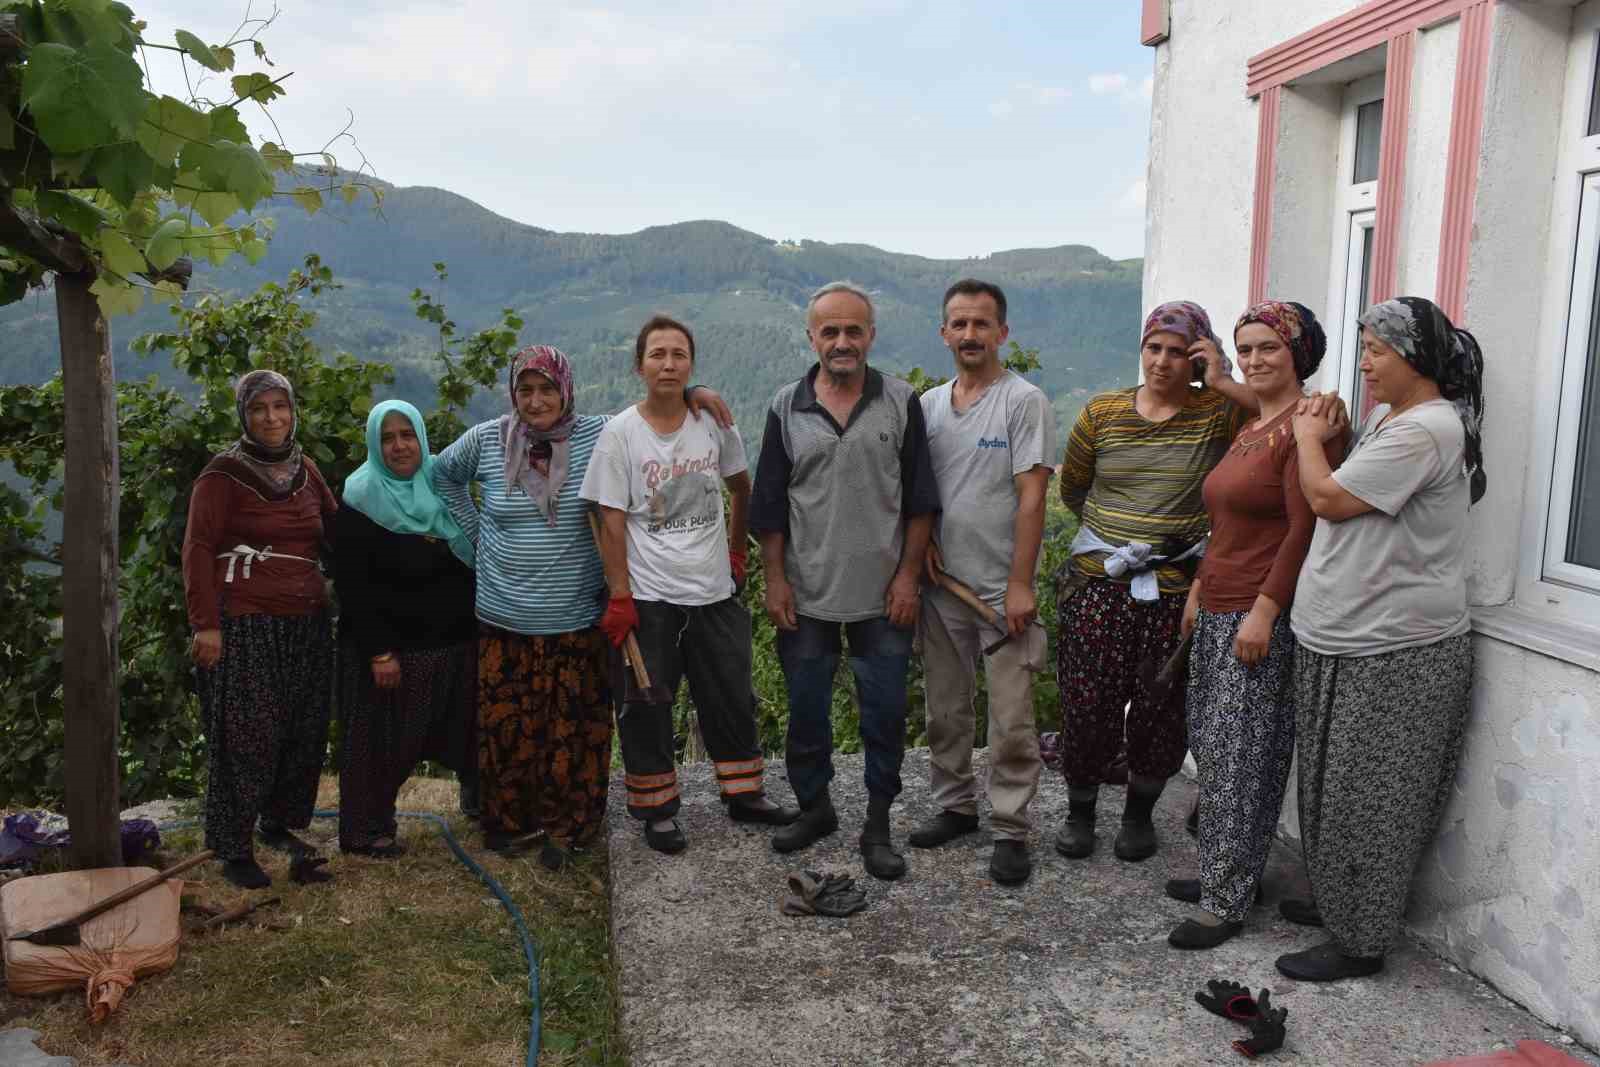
709	645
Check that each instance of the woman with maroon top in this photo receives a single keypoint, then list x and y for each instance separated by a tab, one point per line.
1241	717
262	639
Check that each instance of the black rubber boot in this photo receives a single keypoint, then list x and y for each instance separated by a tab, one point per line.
942	829
815	822
1137	839
1076	838
877	854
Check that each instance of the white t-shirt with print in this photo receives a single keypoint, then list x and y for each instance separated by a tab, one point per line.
671	487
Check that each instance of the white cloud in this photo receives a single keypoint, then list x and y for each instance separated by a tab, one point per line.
1050	94
1103	84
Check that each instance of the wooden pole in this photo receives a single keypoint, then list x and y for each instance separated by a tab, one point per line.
89	576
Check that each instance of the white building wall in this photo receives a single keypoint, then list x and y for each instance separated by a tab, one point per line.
1511	887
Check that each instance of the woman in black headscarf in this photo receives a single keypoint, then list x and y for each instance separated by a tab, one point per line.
1383	671
263	645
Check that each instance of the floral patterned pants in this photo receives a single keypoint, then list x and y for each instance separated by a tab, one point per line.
544	733
1104	633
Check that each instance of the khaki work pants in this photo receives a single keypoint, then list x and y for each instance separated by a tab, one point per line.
952	640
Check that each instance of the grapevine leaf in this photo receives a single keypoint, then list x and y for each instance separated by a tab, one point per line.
116	298
350	192
225	55
13	287
166	244
225	126
73	212
167	292
261	52
199	51
254	250
277	158
308	198
216	208
170	124
257	87
82	97
123	170
119	253
238	169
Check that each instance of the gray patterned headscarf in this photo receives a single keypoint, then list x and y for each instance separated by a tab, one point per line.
1425	338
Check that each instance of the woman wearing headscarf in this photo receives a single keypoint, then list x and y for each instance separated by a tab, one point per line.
1241	716
407	633
1383	668
262	639
1134	464
544	699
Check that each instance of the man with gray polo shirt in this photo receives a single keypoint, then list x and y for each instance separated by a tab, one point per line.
992	437
844	503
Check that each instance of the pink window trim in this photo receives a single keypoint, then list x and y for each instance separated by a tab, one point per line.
1355	31
1154	24
1392	165
1461	171
1261	213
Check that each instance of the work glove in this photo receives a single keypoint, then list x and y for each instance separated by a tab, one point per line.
1229	1000
833	895
737	563
621	618
1266	1031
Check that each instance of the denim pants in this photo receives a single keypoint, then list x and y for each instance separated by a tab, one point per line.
880	654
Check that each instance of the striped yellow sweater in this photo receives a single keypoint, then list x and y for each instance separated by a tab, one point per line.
1130	479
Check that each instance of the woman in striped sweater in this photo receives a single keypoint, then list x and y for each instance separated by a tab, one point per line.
544	699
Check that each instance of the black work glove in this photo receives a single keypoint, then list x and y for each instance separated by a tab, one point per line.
1266	1032
1229	1000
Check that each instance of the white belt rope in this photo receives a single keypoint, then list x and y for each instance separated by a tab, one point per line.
250	555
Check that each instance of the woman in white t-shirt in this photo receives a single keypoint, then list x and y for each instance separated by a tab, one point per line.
1383	670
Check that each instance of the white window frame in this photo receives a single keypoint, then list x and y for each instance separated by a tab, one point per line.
1354	211
1549	589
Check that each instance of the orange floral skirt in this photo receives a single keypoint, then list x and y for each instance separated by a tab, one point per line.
544	732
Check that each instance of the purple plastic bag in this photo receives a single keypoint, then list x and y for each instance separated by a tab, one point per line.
22	841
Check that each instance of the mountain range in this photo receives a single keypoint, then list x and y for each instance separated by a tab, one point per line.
742	293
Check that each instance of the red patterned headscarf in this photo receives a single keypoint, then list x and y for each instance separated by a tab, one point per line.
1182	317
536	460
1297	326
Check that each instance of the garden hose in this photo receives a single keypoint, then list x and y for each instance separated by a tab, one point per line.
530	950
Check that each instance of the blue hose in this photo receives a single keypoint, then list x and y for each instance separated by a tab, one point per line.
530	950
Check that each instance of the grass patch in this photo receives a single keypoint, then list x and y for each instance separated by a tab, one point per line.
396	963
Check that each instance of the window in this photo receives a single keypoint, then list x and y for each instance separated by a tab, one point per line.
1572	540
1369	130
1558	581
1350	271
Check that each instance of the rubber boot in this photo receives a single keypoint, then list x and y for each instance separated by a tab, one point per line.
1137	839
1076	839
816	821
877	854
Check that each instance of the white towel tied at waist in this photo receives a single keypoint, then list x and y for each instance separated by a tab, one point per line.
1135	558
250	555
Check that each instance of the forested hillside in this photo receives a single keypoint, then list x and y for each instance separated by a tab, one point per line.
742	293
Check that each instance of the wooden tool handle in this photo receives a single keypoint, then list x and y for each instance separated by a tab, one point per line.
961	592
135	890
630	644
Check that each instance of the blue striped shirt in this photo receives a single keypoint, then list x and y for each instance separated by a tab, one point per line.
533	578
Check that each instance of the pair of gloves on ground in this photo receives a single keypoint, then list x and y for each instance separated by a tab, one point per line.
1233	1001
832	895
622	617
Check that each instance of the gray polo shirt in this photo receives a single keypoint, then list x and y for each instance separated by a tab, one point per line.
840	494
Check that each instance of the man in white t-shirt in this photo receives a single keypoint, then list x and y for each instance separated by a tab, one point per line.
992	437
657	475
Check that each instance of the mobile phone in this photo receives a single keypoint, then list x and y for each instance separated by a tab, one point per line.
1197	369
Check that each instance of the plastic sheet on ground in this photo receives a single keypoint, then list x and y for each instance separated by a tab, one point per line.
131	941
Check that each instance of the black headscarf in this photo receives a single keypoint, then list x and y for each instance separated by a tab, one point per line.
1425	338
1297	326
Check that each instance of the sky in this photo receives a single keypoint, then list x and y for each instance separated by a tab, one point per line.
945	129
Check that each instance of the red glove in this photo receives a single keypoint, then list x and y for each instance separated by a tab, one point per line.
620	619
737	562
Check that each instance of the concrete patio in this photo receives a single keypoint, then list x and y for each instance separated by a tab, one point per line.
946	967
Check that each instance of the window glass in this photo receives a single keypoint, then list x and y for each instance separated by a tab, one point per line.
1369	131
1583	531
1594	100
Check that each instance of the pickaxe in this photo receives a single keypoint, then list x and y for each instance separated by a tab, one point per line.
631	656
69	931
